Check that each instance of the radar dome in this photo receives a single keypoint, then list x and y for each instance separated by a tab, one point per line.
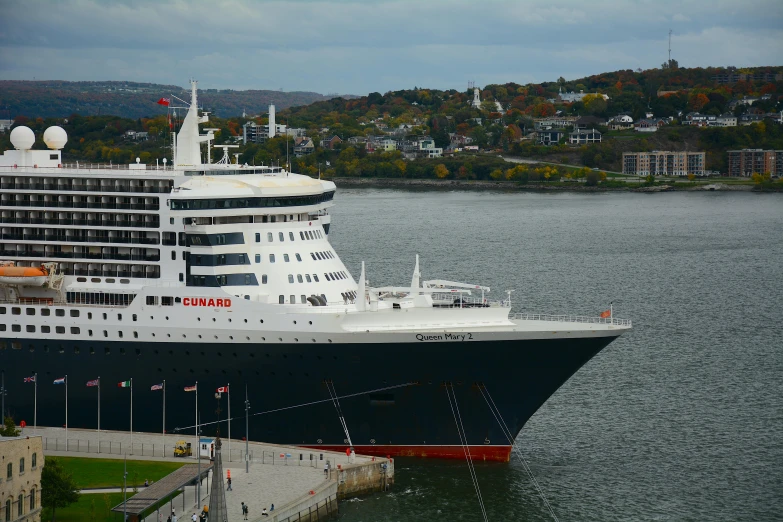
55	137
22	138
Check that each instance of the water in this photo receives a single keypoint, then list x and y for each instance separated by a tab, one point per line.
679	420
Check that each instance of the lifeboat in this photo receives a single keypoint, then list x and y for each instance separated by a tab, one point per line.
23	275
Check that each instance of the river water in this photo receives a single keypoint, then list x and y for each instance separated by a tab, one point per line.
682	419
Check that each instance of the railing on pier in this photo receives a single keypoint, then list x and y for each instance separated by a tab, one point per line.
570	319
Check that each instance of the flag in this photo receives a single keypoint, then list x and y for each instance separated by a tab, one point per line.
29	379
606	313
61	380
190	388
156	387
95	382
124	384
164	101
222	389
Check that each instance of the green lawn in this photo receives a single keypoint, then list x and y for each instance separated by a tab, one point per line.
95	507
105	473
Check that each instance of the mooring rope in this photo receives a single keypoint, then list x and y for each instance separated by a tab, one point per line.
507	432
463	438
336	402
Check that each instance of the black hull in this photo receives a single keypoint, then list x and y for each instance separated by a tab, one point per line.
519	375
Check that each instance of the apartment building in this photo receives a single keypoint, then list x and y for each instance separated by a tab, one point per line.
20	478
747	161
664	163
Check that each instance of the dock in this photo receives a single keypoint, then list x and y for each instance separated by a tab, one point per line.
289	477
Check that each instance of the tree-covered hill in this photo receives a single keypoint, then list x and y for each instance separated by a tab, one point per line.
46	99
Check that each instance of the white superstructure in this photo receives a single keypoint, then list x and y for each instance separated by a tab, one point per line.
199	252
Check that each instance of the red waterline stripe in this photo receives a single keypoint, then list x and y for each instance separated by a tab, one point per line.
481	452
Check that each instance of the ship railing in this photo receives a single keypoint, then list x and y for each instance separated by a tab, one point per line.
569	319
467	301
94	166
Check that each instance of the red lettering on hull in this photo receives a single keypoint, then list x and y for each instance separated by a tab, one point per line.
203	301
482	452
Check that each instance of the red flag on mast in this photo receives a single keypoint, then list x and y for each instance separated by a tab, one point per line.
606	313
164	101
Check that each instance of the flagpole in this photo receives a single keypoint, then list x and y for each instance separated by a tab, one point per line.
611	311
131	416
99	403
198	448
66	413
35	405
228	387
163	435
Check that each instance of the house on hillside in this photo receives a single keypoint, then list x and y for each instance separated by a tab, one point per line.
697	119
550	136
620	122
571	97
726	120
303	146
649	125
331	143
584	136
748	119
588	122
5	125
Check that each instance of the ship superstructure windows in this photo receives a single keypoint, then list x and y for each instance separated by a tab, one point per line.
256	202
286	258
258	258
270	237
281	236
263	279
271	258
258	237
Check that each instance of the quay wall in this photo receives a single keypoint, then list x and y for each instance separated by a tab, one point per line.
364	478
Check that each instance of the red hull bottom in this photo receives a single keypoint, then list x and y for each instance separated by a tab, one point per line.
484	452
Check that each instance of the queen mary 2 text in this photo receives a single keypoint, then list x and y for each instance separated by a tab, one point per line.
206	301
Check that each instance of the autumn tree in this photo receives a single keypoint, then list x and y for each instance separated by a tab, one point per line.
698	101
441	171
9	428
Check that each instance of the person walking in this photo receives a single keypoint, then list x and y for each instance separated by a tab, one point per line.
194	518
229	483
326	468
245	510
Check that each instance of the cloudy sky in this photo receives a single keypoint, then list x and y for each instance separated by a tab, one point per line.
356	47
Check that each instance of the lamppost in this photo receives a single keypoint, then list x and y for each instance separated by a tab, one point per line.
125	489
247	432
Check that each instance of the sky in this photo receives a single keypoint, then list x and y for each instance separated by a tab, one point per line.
356	47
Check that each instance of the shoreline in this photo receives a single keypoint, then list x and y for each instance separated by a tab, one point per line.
511	186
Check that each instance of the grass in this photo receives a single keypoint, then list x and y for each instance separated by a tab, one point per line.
107	473
82	509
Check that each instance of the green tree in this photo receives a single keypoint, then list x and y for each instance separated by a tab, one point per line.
9	428
58	487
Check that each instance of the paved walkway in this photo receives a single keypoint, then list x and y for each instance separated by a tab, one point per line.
271	480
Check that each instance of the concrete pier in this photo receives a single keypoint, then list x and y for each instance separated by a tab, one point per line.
295	482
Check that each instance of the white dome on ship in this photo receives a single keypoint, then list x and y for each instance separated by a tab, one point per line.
55	137
22	138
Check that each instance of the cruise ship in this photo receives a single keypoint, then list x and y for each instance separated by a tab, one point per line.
208	274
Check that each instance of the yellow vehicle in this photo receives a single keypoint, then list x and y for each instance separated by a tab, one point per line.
182	449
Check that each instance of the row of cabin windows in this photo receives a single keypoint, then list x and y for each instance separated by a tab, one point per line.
30	328
303	235
59	312
320	256
292	299
334	276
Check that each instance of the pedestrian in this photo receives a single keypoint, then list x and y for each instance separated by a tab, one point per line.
326	468
173	517
168	519
194	518
264	513
272	508
229	483
245	510
146	483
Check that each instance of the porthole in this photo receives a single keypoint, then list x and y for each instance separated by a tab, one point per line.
294	322
310	322
168	335
231	337
229	320
213	319
313	340
216	337
153	334
281	340
296	340
199	336
262	321
198	318
245	320
184	336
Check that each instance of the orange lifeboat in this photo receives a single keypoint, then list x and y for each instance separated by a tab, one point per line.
23	275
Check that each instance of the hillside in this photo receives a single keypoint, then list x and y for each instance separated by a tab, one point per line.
52	99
